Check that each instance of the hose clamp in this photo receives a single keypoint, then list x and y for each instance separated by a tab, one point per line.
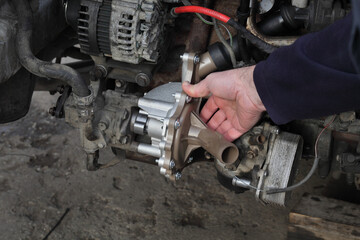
85	101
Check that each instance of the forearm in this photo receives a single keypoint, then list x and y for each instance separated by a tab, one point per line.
314	77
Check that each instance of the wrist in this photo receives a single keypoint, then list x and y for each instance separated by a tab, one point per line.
247	78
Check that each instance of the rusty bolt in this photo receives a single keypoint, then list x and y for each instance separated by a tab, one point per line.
100	72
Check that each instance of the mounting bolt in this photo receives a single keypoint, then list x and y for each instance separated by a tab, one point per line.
119	83
142	79
178	176
172	164
188	99
177	124
190	159
100	145
196	59
52	111
100	72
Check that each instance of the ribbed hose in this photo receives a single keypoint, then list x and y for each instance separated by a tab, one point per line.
37	66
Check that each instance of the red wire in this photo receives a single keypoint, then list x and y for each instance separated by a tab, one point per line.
202	10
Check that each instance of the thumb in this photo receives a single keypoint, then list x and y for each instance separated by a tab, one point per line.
198	90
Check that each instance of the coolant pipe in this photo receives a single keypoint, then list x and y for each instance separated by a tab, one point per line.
37	66
214	143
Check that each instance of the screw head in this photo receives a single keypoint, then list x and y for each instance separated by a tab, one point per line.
172	164
196	59
190	159
178	176
177	124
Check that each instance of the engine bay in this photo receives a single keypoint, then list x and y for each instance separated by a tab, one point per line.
122	88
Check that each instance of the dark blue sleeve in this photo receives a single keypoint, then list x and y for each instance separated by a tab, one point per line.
314	77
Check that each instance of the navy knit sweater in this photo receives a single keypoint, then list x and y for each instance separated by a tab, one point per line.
316	76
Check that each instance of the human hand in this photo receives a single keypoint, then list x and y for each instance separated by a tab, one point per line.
234	106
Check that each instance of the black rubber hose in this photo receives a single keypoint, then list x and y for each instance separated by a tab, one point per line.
37	66
243	13
257	42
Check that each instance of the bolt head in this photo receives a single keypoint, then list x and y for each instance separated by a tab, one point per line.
177	124
118	84
100	145
172	164
178	176
207	155
190	159
196	59
124	140
276	130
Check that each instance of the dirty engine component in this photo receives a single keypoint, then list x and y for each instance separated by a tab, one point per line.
128	31
124	89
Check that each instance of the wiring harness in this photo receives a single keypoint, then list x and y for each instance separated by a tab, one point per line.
257	42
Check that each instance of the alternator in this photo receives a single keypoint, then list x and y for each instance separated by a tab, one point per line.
126	30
